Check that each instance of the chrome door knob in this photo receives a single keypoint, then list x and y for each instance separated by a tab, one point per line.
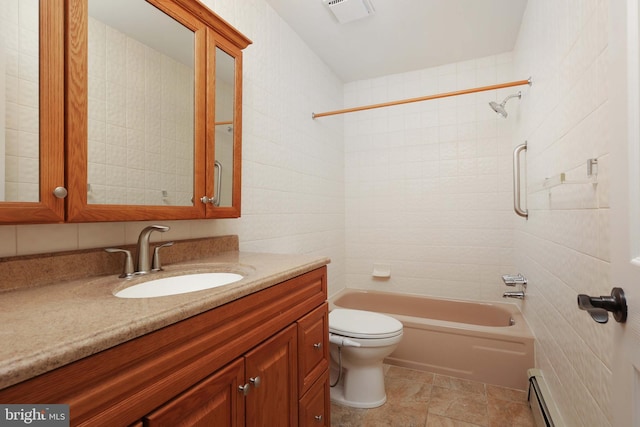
244	389
60	192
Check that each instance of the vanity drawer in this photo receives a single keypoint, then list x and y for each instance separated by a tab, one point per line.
314	406
313	347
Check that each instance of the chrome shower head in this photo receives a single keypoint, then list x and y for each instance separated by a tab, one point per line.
499	108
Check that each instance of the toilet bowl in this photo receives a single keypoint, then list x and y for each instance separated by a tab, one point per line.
359	342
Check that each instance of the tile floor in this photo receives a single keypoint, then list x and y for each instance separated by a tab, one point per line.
424	399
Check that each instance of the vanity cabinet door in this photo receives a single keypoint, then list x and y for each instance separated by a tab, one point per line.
271	368
215	401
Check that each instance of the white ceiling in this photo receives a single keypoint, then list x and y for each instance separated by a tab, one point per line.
404	35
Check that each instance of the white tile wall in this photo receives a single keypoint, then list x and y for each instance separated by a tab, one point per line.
564	246
428	184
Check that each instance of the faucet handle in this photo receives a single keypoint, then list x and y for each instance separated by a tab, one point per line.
156	266
127	271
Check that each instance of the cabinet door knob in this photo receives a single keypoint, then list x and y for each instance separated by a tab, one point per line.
60	192
255	381
244	389
318	418
317	345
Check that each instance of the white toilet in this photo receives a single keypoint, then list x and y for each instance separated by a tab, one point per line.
360	340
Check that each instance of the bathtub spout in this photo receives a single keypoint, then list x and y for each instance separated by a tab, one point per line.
513	294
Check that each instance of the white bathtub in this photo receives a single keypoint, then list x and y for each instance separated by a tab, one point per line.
486	342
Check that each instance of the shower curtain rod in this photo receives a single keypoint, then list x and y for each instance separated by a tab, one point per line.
424	98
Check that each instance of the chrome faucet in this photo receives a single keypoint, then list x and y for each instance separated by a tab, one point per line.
143	260
513	280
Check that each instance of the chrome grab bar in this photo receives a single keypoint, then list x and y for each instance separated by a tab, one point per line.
218	168
516	181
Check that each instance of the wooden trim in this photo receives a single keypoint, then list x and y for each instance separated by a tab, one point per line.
221	27
210	155
423	98
237	135
76	106
52	105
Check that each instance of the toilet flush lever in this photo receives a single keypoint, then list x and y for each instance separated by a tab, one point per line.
598	307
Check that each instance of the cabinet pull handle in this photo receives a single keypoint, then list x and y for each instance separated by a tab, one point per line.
318	418
255	381
244	389
317	345
217	167
215	200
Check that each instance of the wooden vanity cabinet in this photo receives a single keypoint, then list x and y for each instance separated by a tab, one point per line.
199	371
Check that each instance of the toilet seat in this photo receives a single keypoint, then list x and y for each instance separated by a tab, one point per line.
363	324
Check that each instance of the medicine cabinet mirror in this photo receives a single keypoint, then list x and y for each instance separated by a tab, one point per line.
31	110
144	116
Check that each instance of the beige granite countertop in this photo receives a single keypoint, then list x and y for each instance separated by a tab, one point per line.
45	327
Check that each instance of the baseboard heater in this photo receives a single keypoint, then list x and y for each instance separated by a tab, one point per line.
545	413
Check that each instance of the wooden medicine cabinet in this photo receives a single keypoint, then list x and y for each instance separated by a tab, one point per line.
126	110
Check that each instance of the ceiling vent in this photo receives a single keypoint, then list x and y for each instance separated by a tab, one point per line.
350	10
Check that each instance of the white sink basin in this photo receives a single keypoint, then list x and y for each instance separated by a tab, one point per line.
178	285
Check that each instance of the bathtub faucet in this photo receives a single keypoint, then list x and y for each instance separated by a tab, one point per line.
513	294
513	280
